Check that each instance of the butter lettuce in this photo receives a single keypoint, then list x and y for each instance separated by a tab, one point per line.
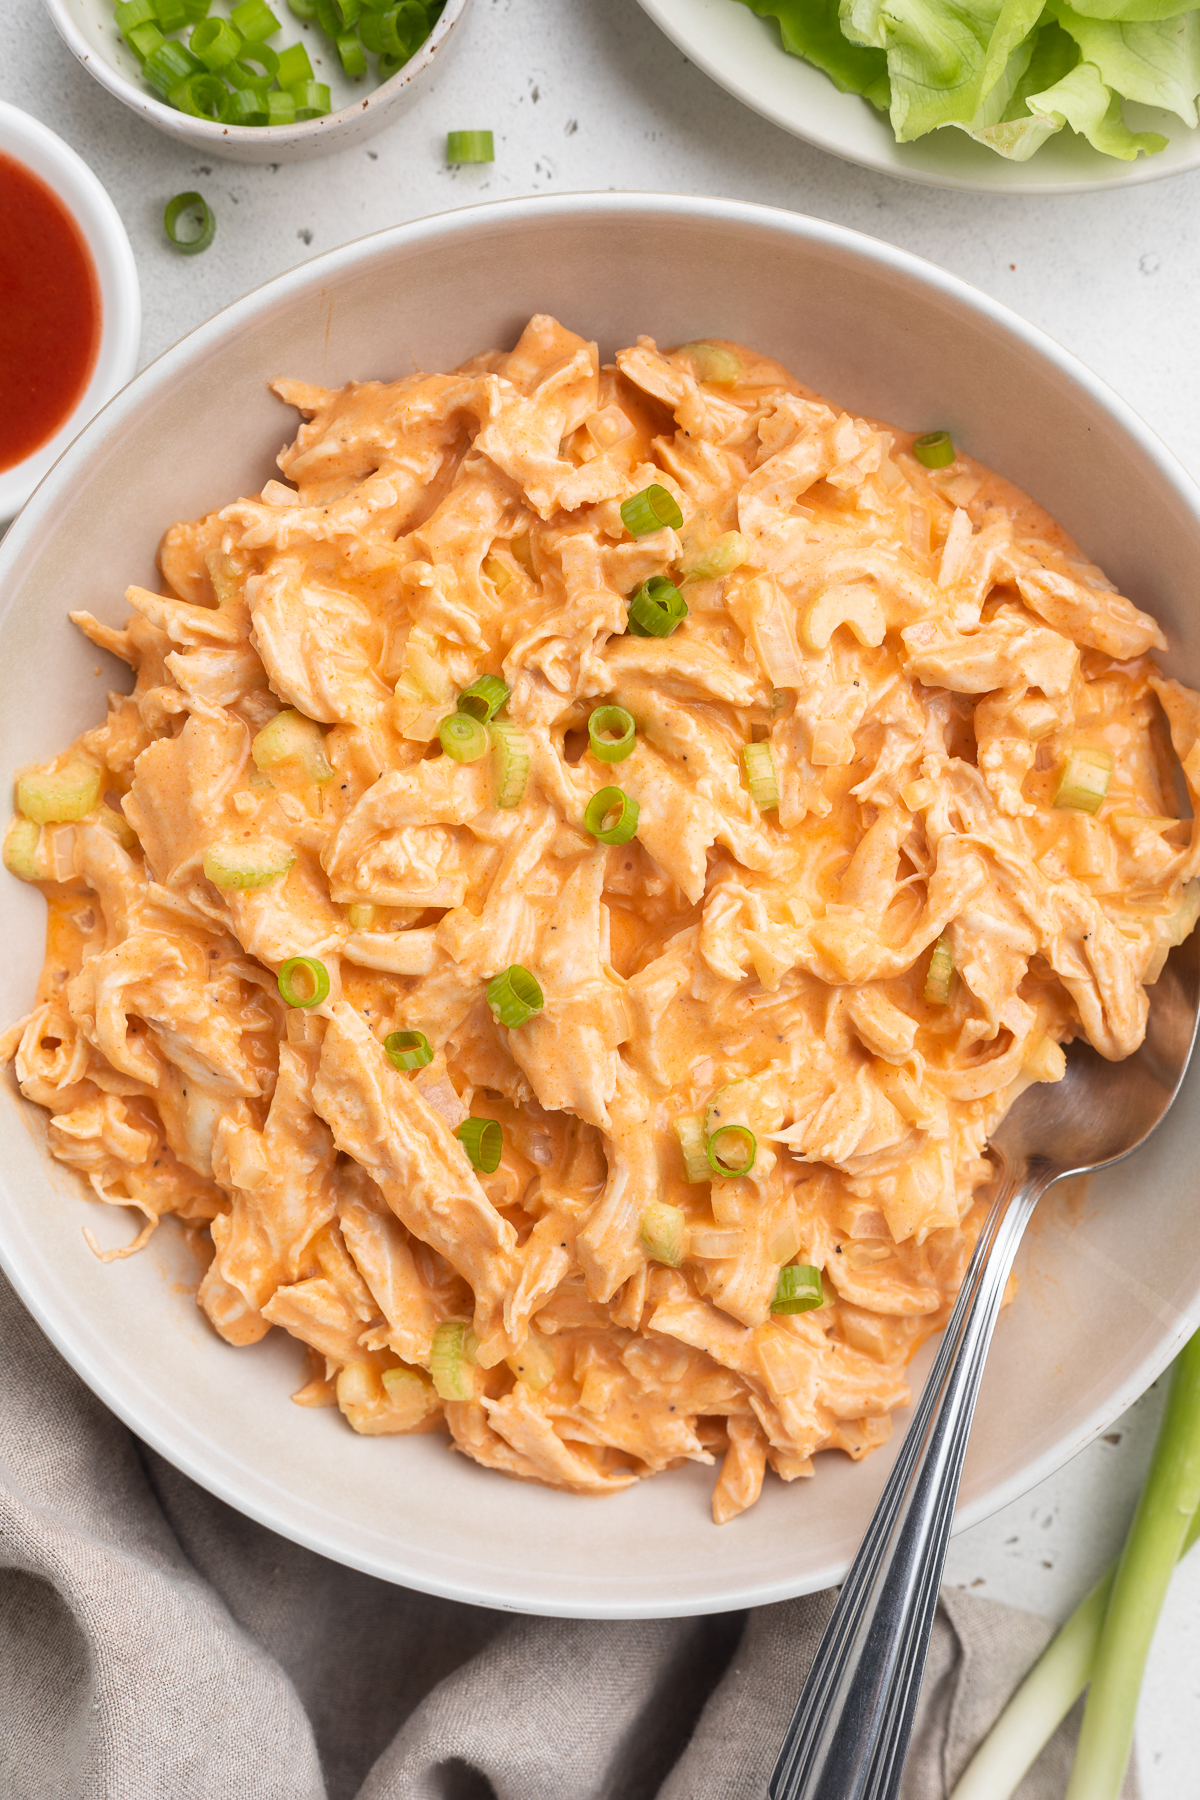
1157	62
943	56
811	29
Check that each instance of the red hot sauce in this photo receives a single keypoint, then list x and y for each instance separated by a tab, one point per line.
49	313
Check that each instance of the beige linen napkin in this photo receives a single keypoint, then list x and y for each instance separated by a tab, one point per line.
155	1645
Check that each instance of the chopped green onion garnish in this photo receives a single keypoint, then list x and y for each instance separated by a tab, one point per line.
711	363
514	995
255	20
129	13
650	510
370	30
451	1356
294	66
348	10
612	734
407	1049
484	698
57	796
935	449
462	737
232	864
203	96
602	806
662	1233
195	207
731	1151
170	65
483	1141
196	10
247	105
303	981
303	9
760	773
350	53
240	74
170	14
690	1132
328	18
940	974
144	40
312	99
281	108
1084	780
656	609
470	147
798	1289
511	760
216	42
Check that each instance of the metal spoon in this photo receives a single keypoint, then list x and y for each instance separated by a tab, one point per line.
849	1736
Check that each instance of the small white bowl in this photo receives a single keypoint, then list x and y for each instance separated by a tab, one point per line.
89	30
29	142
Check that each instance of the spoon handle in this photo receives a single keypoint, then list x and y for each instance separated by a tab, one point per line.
848	1738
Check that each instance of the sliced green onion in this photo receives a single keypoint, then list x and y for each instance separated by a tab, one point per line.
451	1356
1084	780
348	10
462	737
144	40
408	1049
303	981
328	18
662	1233
281	108
255	20
247	105
303	9
731	1151
690	1132
203	96
216	42
405	27
760	773
940	974
656	609
312	99
470	147
612	734
56	796
192	206
712	363
129	13
350	54
650	510
511	762
196	10
370	30
514	996
263	55
294	66
601	806
798	1289
241	76
231	864
484	698
170	14
391	65
935	449
170	65
483	1141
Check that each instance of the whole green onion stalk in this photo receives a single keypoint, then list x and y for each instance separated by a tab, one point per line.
1107	1638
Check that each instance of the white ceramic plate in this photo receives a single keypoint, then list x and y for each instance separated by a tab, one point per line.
1114	1278
743	53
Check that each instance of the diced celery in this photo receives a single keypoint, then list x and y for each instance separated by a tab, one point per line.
54	796
662	1233
497	573
1084	779
511	760
713	363
230	864
533	1363
721	557
760	773
1046	1061
21	842
451	1360
690	1132
361	918
410	1395
292	745
940	974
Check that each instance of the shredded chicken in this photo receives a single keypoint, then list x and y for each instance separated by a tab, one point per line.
859	970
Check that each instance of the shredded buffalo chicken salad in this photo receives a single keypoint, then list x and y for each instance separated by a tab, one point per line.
585	864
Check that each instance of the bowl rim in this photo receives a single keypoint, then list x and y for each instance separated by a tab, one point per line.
210	133
80	191
185	1446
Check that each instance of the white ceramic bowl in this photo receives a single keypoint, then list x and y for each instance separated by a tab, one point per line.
743	54
1112	1279
360	110
29	142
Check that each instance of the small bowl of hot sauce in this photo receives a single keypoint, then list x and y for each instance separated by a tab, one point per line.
70	309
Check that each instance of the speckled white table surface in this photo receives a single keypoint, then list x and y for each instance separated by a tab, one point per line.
585	94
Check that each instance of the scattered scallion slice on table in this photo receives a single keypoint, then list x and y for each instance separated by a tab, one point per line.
611	816
651	510
514	996
798	1289
935	449
612	734
196	208
470	147
303	981
407	1049
483	1141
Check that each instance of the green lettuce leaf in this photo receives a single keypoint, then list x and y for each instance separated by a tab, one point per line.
1085	102
1133	10
811	29
1157	62
1004	123
943	56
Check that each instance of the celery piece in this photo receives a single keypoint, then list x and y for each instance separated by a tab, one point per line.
692	1143
497	573
361	918
760	773
662	1233
721	557
292	745
510	762
533	1363
940	975
21	842
451	1359
409	1394
712	363
230	864
1084	780
54	796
